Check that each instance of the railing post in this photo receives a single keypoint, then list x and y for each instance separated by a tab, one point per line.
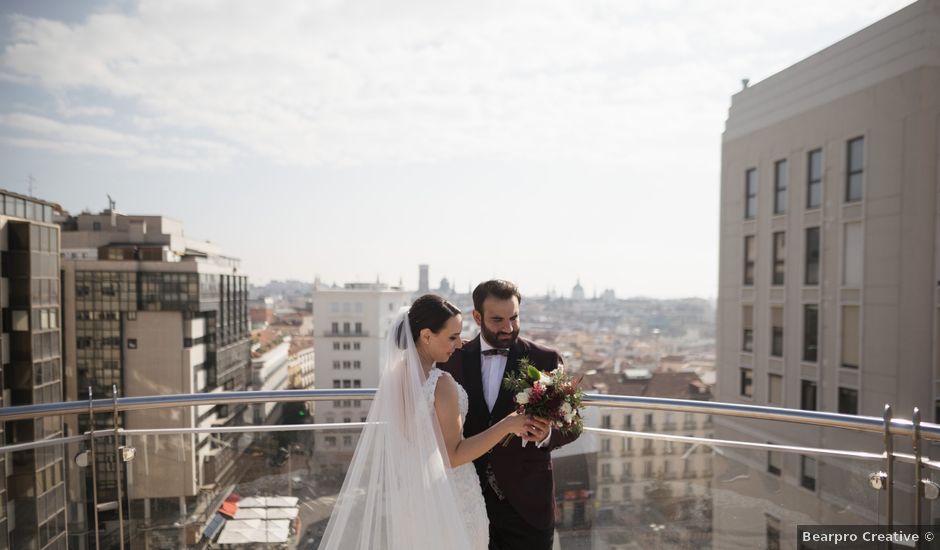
118	463
918	451
889	466
94	465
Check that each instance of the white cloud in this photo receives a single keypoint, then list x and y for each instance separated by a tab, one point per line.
335	83
82	139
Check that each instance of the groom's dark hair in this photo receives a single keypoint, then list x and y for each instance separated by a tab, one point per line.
498	288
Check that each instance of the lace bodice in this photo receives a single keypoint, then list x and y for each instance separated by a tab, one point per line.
430	385
465	479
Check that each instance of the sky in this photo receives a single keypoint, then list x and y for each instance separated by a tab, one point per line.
543	142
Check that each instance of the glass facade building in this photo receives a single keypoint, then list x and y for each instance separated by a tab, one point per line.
32	487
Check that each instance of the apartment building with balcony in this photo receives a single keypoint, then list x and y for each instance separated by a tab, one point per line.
351	327
639	480
829	265
151	311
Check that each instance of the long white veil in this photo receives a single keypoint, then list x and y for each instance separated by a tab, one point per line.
397	493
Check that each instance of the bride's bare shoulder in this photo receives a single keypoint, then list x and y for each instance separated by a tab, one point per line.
446	390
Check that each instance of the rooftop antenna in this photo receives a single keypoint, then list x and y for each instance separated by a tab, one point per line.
744	83
111	203
30	181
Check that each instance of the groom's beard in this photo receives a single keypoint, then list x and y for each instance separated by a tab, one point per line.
499	339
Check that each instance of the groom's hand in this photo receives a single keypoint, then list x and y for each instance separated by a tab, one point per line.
538	429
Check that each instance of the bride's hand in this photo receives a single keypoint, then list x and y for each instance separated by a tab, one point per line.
518	424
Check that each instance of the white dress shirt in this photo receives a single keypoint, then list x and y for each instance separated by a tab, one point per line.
492	369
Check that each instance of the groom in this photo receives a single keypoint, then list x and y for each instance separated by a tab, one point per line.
517	481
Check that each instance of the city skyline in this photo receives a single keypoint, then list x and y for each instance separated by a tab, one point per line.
354	143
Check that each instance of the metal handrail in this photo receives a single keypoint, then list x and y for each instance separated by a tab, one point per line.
872	424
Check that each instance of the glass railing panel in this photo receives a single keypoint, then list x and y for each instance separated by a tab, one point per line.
268	487
631	479
615	490
761	496
34	488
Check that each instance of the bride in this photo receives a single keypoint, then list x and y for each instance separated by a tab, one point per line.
411	483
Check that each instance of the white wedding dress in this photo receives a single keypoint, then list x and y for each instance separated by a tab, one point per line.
400	492
465	479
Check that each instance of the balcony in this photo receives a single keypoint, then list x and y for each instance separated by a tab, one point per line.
181	485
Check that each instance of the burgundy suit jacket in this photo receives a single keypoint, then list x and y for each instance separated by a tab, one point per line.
524	474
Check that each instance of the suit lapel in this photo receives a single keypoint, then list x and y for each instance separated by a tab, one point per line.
504	401
473	374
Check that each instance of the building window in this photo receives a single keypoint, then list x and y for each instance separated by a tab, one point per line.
330	440
335	346
358	328
850	337
774	462
848	401
357	383
749	254
747	382
337	384
776	331
750	194
747	323
347	364
780	187
811	275
854	169
605	421
810	333
808	472
132	343
773	533
814	179
852	254
334	328
346	326
356	346
357	364
808	395
779	257
775	389
19	320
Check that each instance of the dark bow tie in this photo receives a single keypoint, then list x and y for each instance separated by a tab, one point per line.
496	351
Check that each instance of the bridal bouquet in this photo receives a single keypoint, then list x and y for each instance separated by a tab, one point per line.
552	395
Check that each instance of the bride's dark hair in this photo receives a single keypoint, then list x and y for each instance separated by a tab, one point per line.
427	312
